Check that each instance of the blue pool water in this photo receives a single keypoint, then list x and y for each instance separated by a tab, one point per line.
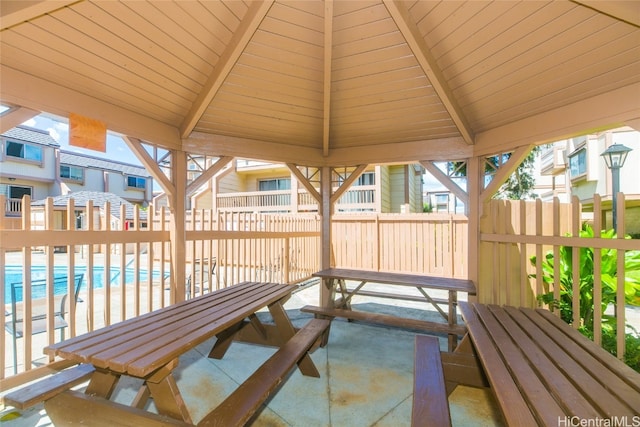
13	274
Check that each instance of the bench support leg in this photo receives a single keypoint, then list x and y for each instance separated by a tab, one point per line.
166	395
102	383
223	342
286	331
462	367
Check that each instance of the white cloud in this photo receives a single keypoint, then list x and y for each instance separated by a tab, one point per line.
30	123
54	134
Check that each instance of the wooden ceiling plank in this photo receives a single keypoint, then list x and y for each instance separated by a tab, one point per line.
483	36
246	148
113	90
81	30
328	51
401	16
15	116
401	152
540	66
200	50
242	36
567	89
530	48
18	11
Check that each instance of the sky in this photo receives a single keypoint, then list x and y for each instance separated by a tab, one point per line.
117	149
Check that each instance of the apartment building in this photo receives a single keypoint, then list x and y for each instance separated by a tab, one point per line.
32	163
575	167
251	186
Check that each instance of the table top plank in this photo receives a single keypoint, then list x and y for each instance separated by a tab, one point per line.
607	390
621	370
434	282
139	346
547	410
530	355
143	364
74	346
497	373
198	326
558	386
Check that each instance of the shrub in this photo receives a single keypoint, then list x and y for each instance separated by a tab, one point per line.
609	258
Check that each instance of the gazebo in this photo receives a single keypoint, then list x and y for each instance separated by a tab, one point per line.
325	85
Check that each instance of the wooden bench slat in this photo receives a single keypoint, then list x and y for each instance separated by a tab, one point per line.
389	295
386	319
430	403
76	408
243	403
514	408
48	387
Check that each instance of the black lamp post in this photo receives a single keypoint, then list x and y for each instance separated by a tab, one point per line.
614	157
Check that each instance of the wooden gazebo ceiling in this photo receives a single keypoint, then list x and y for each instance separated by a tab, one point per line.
321	82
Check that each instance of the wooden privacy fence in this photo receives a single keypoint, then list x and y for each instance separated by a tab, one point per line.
432	244
512	232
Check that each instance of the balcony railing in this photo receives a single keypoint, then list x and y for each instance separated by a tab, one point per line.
359	199
13	207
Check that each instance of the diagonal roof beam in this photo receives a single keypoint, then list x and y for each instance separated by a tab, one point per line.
328	48
505	171
16	12
208	174
446	181
241	37
347	183
305	182
149	163
400	15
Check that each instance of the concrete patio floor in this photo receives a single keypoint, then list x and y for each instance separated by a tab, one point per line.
366	378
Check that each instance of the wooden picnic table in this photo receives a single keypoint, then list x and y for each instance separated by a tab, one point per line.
335	280
148	347
544	372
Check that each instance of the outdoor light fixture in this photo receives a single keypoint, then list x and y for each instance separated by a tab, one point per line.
614	157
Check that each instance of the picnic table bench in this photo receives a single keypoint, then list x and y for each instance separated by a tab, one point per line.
148	347
541	370
335	279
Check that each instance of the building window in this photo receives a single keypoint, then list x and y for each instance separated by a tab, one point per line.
136	182
24	151
274	184
72	173
16	191
367	178
578	163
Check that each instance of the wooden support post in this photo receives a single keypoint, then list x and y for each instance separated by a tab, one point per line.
326	209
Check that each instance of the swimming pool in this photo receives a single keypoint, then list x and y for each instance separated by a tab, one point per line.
13	274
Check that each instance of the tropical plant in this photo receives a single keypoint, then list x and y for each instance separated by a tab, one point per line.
608	274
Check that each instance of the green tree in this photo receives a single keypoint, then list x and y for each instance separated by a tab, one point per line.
519	185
